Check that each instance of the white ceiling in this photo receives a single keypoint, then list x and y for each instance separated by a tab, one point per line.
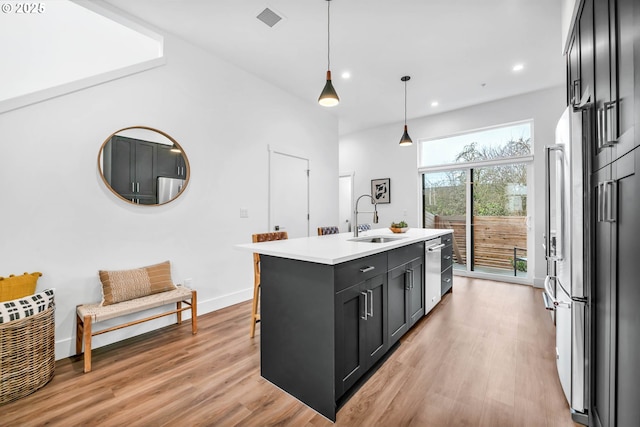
457	52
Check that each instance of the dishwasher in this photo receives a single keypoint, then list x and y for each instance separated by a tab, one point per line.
432	273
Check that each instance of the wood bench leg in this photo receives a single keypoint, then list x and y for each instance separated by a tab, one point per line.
179	313
194	312
79	334
87	343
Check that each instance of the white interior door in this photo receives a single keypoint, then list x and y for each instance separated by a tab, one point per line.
345	202
289	194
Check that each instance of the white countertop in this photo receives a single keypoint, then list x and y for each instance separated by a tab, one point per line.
337	248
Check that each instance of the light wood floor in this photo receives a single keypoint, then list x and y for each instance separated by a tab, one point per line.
484	357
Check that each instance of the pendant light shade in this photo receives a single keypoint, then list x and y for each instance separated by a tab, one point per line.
406	139
328	97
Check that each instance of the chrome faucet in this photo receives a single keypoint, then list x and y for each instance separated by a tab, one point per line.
355	216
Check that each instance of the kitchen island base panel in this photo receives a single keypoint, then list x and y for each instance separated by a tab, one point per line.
297	350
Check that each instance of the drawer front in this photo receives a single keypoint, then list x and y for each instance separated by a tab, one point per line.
447	280
352	272
405	254
447	257
447	239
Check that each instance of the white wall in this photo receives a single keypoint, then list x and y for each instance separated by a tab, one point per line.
375	153
58	218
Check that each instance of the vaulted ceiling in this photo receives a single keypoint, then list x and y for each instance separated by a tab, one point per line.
457	52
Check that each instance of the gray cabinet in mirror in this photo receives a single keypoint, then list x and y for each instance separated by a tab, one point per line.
142	165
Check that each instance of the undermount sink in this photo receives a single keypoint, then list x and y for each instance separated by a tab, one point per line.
376	239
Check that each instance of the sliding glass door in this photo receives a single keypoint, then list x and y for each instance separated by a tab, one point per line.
499	219
445	206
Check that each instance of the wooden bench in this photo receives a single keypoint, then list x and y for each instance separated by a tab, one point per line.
89	314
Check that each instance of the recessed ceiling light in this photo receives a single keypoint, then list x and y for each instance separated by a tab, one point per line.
518	67
346	75
434	104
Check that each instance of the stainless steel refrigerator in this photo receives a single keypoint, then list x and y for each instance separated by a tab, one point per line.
168	188
566	284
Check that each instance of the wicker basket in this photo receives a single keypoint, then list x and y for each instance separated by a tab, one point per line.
27	355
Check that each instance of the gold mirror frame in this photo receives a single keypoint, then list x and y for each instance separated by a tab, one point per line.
127	196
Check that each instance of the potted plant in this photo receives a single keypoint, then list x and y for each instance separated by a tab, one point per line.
399	227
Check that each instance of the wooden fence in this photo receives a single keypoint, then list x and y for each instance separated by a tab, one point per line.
494	238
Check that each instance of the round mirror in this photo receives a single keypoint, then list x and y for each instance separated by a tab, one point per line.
144	166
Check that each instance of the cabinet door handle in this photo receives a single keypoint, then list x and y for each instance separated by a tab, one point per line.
447	280
367	269
600	123
407	283
575	96
447	257
609	117
137	187
366	311
609	201
436	247
410	278
370	292
599	202
133	187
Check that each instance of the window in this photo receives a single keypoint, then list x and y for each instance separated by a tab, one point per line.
476	184
490	144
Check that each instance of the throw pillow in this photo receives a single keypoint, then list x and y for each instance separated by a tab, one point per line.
14	287
24	307
124	285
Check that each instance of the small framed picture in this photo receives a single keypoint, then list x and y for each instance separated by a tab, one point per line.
381	190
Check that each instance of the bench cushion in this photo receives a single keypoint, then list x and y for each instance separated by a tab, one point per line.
99	312
124	285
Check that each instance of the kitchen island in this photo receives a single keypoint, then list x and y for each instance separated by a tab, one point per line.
332	306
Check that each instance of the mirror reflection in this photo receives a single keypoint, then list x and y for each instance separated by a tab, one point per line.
144	166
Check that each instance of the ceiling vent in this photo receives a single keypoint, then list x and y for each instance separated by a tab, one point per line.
269	17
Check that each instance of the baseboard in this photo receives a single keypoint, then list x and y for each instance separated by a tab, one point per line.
538	283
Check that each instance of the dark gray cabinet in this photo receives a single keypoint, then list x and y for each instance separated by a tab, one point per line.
446	263
324	326
604	56
602	66
170	163
405	289
616	318
131	169
361	330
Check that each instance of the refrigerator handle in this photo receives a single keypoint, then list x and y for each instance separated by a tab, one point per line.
547	302
549	292
547	201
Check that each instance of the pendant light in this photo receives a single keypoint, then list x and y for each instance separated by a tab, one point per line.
406	139
328	97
